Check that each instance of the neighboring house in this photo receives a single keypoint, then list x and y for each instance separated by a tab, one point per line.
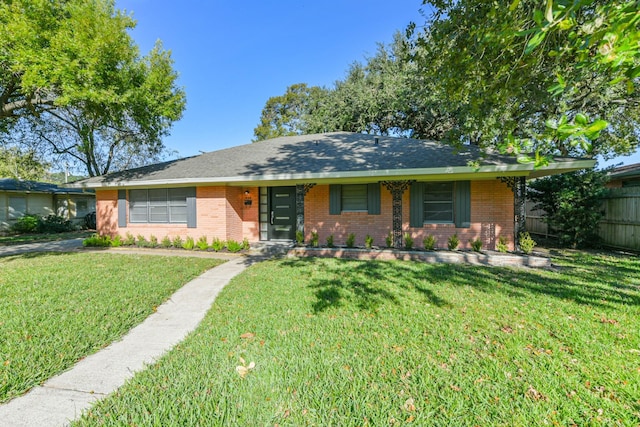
18	198
625	176
333	184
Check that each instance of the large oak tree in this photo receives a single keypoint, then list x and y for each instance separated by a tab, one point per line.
544	77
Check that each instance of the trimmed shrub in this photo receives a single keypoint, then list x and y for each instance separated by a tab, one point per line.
97	241
141	241
429	243
177	242
202	243
245	244
217	244
129	240
299	238
233	246
165	242
153	241
501	246
368	242
351	240
330	241
408	241
476	245
453	243
116	241
526	243
188	244
389	240
315	239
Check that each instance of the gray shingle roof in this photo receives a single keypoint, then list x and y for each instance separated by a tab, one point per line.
11	184
319	156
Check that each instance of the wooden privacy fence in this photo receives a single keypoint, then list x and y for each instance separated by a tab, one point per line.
620	226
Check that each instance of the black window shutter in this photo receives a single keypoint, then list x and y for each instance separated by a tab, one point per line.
122	208
335	195
192	214
373	199
416	205
462	200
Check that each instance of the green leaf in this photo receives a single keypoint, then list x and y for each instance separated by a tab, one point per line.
564	120
537	17
514	5
597	126
565	24
567	129
534	42
581	119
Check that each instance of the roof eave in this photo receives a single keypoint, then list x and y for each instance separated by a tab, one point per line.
426	174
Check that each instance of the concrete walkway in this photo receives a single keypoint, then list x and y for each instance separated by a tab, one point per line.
64	397
56	246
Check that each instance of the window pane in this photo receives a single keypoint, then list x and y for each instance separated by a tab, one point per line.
178	196
159	205
438	212
178	204
178	213
354	197
138	214
137	196
138	211
158	213
158	197
438	202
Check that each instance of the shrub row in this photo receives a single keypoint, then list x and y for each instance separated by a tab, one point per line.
429	243
177	242
38	224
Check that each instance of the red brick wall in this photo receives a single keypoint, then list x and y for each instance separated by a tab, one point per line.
220	213
317	218
250	214
491	216
107	212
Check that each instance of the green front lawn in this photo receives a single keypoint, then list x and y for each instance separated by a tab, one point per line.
355	343
58	308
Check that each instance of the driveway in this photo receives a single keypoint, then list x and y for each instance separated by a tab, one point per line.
57	246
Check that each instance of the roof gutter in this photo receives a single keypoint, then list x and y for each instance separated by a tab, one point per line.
421	174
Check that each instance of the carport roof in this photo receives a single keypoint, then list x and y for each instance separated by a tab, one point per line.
23	186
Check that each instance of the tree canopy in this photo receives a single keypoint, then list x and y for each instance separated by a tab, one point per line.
17	164
526	77
71	75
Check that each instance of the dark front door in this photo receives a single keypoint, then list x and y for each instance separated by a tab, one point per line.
282	217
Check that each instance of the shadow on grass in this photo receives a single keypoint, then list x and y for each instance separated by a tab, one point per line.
597	280
366	284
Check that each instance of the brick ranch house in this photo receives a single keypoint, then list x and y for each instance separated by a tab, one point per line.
333	184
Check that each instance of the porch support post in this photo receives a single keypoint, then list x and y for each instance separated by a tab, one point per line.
518	185
301	191
397	189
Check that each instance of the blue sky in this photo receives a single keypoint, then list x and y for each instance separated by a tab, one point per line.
232	56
